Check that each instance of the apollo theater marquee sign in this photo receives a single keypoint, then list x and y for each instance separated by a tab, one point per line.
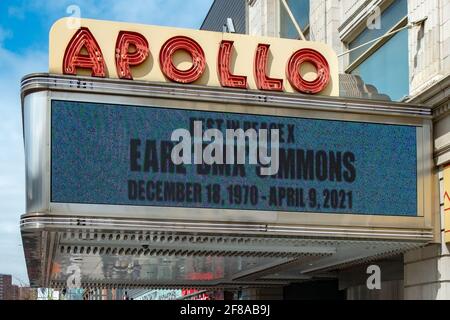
101	128
153	53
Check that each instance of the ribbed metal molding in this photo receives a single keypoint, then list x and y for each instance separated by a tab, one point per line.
95	284
127	250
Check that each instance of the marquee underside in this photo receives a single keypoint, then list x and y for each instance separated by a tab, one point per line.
118	253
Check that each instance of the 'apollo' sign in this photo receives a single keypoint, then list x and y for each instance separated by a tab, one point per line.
128	51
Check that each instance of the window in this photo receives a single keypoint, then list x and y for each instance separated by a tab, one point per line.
384	63
300	10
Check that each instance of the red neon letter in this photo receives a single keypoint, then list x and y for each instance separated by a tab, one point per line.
73	58
190	46
124	58
318	61
263	82
227	79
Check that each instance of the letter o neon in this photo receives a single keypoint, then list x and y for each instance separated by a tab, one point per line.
195	51
318	61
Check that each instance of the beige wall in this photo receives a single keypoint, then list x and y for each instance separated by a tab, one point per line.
263	18
427	273
429	50
325	19
348	7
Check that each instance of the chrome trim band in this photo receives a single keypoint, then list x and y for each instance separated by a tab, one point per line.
42	222
40	82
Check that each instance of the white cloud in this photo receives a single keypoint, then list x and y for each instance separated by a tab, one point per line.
16	12
4	34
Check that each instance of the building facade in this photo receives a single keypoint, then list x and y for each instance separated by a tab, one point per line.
354	211
400	49
8	291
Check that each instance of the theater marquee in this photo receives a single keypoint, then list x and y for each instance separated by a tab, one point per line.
104	193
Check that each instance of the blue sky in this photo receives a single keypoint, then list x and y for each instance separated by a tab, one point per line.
24	27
